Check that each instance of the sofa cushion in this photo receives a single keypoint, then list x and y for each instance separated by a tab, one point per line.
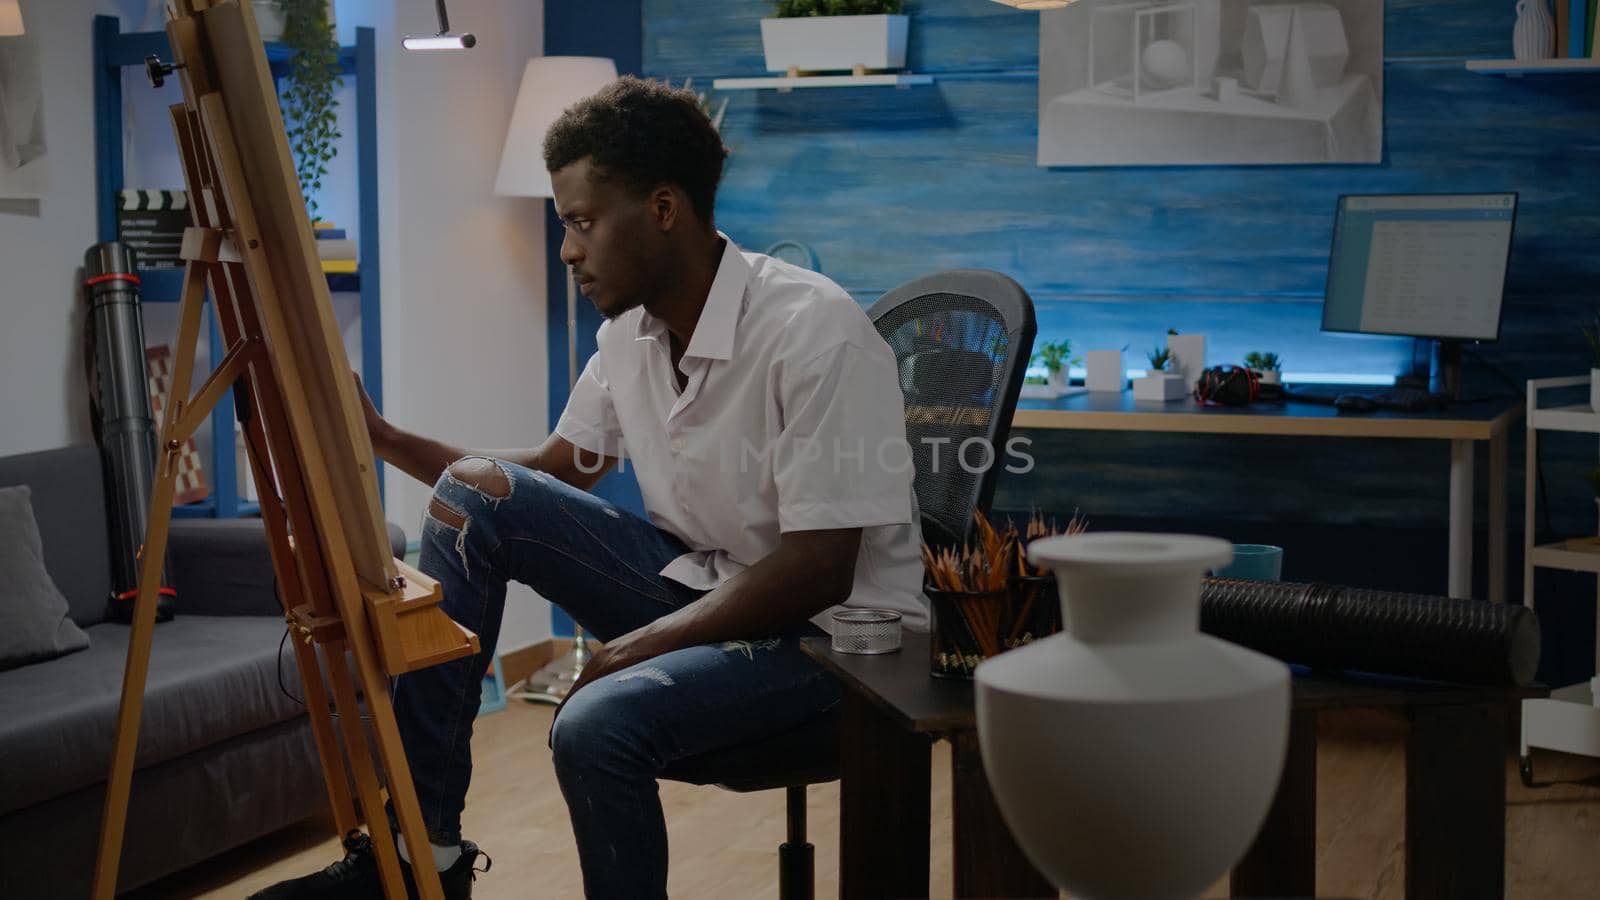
69	504
211	678
34	625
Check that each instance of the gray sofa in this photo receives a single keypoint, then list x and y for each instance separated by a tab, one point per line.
224	755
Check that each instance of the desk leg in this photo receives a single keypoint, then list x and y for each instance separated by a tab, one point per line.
1456	802
1461	519
1497	518
885	773
988	862
1283	860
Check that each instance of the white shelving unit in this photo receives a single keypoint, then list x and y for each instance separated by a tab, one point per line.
1569	720
1517	67
789	83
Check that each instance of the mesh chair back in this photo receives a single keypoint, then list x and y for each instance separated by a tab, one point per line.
963	339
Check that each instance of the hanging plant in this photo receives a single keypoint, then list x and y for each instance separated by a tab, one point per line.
308	98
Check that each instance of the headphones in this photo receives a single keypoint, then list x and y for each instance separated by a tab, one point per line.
1228	386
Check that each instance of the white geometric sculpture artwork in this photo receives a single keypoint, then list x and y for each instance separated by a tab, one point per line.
1131	755
1282	38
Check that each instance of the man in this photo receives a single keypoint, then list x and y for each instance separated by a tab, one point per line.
763	416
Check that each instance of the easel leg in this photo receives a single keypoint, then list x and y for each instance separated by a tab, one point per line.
402	791
367	786
120	781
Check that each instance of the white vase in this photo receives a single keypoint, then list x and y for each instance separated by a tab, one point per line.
1058	381
1271	376
1188	356
1131	755
1103	370
825	43
1534	36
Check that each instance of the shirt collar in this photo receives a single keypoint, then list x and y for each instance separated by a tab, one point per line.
714	332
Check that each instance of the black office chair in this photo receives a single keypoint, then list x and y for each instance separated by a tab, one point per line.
963	339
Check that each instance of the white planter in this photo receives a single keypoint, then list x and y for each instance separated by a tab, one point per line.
1594	389
1104	369
1160	387
1132	716
269	19
1188	355
1271	376
825	43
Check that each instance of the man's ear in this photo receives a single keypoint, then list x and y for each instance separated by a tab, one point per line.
666	204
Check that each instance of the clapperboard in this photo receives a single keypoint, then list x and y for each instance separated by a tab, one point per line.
152	223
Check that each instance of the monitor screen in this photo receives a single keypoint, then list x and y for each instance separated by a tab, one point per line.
1420	265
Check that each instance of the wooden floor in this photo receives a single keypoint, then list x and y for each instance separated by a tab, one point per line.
724	844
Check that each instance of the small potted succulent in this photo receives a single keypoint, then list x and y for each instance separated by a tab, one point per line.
830	35
1160	384
1056	356
1265	365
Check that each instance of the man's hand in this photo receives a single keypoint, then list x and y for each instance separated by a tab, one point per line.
634	647
377	426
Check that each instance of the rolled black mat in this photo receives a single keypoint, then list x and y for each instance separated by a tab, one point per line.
1326	626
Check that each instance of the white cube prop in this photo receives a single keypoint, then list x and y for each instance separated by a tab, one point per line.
1104	368
1160	387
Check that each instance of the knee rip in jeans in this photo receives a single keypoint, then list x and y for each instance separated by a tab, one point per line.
482	475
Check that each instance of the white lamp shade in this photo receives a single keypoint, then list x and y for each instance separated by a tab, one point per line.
10	18
550	84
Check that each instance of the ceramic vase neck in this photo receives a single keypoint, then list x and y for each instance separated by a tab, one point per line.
1130	607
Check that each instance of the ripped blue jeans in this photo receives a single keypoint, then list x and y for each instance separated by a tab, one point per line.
490	522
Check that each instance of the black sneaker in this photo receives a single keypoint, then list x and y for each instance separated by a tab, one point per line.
356	876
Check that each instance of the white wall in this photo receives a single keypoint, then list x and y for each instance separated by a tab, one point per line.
463	270
43	402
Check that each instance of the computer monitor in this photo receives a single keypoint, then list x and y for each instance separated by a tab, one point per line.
1420	265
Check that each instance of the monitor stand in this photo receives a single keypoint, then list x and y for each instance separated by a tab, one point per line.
1442	374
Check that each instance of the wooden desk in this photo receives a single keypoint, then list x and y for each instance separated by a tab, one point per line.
893	711
1461	425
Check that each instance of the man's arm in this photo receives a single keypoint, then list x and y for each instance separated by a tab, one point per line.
807	573
425	459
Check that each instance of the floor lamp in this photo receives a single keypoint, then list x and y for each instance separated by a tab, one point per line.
550	84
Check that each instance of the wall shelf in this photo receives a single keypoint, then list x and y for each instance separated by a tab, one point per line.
1515	68
115	51
785	83
166	285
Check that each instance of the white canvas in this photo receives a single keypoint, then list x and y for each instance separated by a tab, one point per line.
24	167
1211	82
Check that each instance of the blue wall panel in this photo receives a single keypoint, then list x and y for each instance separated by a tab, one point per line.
889	184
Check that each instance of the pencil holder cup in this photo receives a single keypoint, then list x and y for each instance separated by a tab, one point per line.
968	628
1032	612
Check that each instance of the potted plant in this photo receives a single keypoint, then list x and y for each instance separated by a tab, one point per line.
1265	365
307	95
269	18
1056	356
824	35
1159	384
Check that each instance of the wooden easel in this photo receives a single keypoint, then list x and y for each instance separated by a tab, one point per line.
341	588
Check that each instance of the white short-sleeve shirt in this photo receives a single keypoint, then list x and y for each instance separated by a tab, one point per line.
791	420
